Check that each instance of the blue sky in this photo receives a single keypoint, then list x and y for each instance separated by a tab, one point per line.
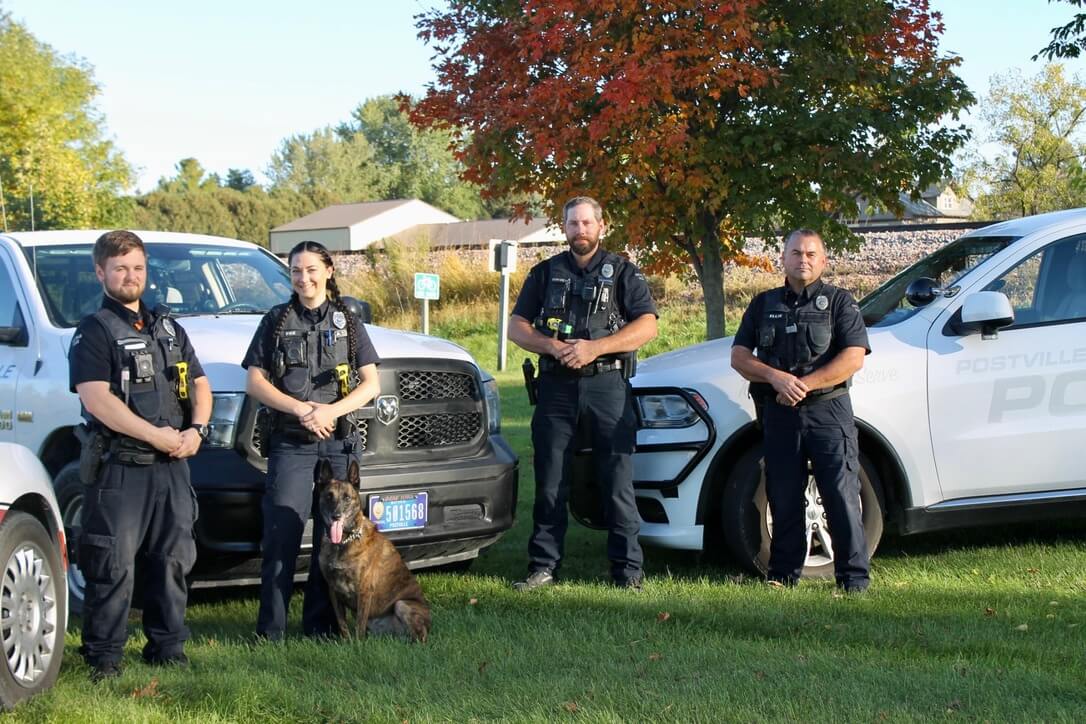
226	81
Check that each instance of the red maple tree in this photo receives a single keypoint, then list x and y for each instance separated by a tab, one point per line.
696	123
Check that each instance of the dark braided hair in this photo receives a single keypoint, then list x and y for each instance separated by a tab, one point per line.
334	297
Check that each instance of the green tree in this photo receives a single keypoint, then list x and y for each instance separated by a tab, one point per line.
191	176
52	143
1037	147
419	164
1068	40
240	179
697	123
323	161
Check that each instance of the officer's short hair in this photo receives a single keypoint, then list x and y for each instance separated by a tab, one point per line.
115	243
802	233
597	210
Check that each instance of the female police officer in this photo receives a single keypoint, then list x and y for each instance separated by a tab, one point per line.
312	364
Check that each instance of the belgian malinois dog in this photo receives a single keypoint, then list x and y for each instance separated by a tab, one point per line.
365	574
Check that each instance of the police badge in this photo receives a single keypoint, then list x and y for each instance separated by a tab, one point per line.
607	271
821	303
339	319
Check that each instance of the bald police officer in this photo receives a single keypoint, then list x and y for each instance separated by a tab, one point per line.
810	339
147	402
586	312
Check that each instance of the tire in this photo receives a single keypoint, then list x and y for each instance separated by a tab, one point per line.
33	608
746	523
69	490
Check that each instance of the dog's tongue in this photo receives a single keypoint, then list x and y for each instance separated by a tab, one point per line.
336	533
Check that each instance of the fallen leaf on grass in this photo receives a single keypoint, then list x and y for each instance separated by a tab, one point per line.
953	706
655	656
146	692
989	611
1022	627
662	616
473	601
1053	603
1051	615
570	706
1033	570
483	666
759	675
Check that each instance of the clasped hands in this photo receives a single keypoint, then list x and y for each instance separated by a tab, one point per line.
576	353
790	389
318	419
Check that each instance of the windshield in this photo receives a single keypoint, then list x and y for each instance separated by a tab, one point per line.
887	305
190	278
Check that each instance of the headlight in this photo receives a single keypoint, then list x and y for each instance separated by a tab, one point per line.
225	409
668	410
493	405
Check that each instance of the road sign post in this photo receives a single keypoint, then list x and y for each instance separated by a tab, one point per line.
427	287
503	258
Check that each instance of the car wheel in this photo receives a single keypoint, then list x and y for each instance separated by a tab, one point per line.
747	523
69	490
32	605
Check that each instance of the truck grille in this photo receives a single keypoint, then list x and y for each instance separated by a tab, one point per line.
438	430
440	407
433	385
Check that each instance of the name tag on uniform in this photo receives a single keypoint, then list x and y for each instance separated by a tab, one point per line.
791	329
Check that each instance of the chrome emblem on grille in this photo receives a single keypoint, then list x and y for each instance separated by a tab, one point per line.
388	409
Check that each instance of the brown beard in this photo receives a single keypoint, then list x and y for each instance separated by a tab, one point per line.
123	296
589	251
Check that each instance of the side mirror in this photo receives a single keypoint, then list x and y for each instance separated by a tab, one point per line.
922	292
986	312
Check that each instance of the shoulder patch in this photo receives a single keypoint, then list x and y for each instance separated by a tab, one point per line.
77	339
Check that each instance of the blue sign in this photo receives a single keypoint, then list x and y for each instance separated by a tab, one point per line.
427	286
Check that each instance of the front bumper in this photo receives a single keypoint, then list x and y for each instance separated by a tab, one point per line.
471	503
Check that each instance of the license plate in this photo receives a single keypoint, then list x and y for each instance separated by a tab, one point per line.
399	511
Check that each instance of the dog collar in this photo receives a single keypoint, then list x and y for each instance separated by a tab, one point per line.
353	536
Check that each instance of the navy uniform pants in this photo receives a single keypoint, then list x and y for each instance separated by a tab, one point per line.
289	499
823	432
605	402
146	511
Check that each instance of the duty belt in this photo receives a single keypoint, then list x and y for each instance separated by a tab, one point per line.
130	451
549	364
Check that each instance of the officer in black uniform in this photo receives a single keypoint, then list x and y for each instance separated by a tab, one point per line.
311	363
810	339
147	402
586	312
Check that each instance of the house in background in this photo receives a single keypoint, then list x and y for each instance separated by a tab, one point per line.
353	227
477	234
939	203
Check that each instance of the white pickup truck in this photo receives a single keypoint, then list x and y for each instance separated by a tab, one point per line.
440	443
971	407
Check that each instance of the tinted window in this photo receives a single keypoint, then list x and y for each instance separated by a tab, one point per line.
10	316
1049	285
191	279
887	305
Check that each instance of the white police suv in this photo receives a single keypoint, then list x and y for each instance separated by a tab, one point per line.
971	407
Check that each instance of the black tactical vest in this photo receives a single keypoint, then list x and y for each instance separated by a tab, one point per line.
794	339
148	372
587	303
311	361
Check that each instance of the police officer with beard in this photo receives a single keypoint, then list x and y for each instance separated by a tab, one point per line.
810	339
147	402
586	312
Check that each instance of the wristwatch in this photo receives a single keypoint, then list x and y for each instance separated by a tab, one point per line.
201	430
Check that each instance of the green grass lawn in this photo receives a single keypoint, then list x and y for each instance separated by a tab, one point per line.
984	625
